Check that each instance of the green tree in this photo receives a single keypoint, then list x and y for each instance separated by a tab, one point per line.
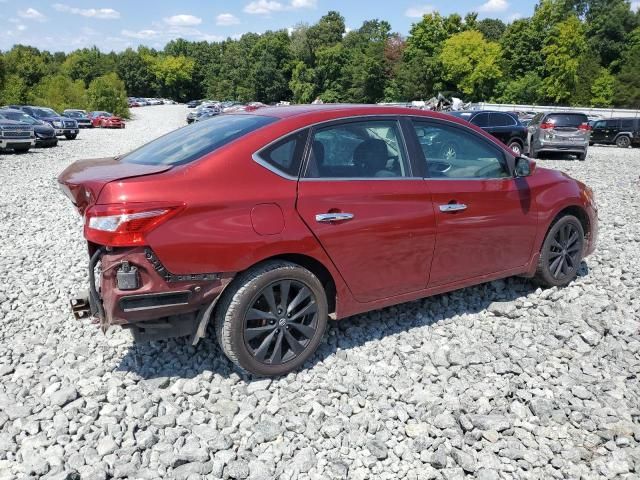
491	28
15	90
173	75
602	89
522	90
271	67
59	92
472	63
627	85
27	63
108	93
87	64
562	54
135	71
302	83
428	35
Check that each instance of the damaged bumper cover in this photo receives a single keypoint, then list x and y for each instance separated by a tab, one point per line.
135	291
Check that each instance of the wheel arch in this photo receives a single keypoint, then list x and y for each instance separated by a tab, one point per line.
577	211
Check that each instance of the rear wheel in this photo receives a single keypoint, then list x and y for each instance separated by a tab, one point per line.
561	253
272	318
623	141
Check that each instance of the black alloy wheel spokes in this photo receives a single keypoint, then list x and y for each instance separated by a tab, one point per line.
281	322
564	252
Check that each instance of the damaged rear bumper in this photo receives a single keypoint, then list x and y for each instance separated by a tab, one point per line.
135	291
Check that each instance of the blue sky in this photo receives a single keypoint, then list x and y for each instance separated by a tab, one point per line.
117	24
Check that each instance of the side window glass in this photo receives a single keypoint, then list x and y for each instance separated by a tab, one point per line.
612	123
600	124
286	155
626	123
454	153
370	149
481	120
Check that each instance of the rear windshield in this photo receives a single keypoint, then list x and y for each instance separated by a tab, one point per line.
196	140
567	119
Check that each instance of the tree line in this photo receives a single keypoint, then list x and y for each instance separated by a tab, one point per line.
569	52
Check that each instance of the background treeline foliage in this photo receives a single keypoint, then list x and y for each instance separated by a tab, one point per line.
569	52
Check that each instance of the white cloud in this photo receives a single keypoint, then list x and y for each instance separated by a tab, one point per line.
21	28
265	7
514	16
31	14
635	6
100	13
140	34
419	11
303	3
262	7
226	19
183	20
494	6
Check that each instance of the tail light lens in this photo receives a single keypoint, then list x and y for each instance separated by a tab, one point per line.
585	127
125	225
547	126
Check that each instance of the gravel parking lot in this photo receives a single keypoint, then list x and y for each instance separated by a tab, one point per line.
502	380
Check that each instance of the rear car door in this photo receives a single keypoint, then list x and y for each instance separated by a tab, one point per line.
486	219
613	128
501	126
369	211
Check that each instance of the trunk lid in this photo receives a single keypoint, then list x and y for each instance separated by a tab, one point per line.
567	127
83	180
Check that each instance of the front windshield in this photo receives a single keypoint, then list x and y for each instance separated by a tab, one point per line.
45	112
20	117
74	114
196	140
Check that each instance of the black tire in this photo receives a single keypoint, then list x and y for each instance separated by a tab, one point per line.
533	153
623	141
21	149
71	136
582	156
561	253
516	147
248	295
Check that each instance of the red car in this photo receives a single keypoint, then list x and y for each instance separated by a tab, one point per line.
268	222
105	120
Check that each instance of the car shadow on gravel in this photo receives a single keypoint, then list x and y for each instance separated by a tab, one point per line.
159	362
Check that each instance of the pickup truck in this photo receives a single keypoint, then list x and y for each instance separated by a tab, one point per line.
16	136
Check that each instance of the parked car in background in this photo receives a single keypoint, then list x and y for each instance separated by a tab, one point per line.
205	110
105	120
194	103
559	132
45	134
503	125
339	210
16	136
80	116
64	126
623	132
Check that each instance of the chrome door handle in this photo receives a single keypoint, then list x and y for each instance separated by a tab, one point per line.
333	217
453	207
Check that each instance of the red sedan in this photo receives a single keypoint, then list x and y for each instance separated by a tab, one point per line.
105	120
268	222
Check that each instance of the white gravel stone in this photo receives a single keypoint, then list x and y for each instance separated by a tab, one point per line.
502	380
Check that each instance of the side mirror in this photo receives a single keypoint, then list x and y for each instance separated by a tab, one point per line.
524	167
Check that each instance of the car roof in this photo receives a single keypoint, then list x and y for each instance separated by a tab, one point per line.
338	110
12	110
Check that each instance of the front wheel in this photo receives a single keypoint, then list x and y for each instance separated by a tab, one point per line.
71	136
623	141
271	319
22	149
561	253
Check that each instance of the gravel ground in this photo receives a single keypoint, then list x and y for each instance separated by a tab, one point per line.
502	380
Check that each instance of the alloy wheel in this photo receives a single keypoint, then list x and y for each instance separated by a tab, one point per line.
564	251
281	321
515	147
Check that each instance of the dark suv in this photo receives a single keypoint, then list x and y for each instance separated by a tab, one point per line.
504	126
623	132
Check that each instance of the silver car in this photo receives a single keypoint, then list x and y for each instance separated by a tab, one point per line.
564	132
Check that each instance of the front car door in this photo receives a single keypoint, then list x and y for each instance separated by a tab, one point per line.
599	132
359	195
486	219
